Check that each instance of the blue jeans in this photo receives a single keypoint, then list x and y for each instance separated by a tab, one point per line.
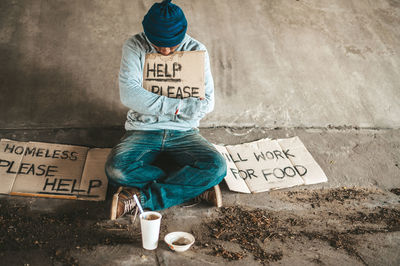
200	166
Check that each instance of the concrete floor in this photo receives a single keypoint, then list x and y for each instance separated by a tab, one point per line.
366	161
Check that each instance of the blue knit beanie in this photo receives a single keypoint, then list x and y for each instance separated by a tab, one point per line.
165	24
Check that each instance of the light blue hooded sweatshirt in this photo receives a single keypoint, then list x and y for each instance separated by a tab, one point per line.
149	111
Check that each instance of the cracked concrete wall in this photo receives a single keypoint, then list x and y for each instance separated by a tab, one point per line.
276	63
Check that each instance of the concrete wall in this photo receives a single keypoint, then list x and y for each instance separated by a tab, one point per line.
275	62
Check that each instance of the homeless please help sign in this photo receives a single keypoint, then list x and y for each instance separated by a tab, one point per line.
179	75
270	164
52	170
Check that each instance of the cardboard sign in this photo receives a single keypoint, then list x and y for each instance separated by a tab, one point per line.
179	75
270	164
76	172
52	170
234	183
10	156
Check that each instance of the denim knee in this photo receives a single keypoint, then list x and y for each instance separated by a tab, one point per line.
219	168
112	171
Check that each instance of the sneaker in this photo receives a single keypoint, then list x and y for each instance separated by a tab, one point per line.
123	202
212	195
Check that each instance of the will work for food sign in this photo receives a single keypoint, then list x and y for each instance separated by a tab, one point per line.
179	75
270	164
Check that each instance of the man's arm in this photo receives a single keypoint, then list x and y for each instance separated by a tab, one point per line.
206	104
135	97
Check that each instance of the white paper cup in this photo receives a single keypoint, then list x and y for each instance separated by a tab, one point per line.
150	230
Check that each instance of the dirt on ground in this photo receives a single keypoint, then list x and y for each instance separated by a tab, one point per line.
336	217
264	234
58	234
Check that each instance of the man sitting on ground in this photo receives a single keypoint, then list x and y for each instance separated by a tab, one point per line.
160	125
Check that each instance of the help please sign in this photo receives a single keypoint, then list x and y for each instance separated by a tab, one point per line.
179	75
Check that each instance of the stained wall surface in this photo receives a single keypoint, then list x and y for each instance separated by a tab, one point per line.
276	63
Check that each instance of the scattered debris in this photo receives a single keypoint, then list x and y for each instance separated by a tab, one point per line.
247	228
219	250
339	220
395	191
337	195
59	233
388	220
266	234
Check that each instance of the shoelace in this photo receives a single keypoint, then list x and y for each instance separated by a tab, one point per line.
205	195
198	199
129	205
